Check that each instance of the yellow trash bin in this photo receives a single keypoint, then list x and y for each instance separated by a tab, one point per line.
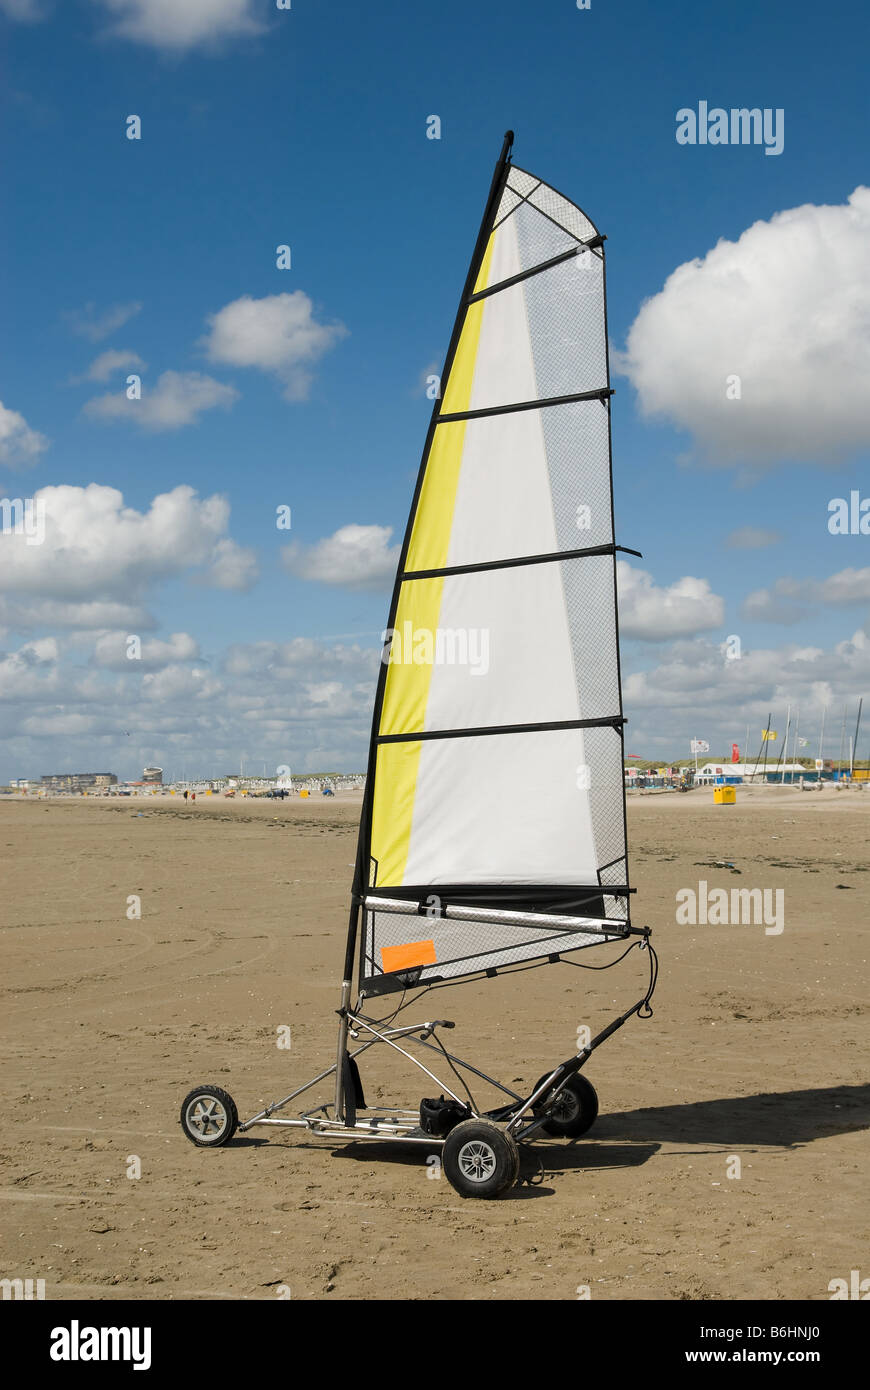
724	796
304	791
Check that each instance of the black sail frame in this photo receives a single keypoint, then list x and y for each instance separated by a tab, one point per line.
543	902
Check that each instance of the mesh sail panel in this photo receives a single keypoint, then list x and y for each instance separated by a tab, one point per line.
448	949
518	645
497	772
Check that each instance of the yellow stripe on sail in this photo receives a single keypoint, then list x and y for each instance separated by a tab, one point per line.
406	693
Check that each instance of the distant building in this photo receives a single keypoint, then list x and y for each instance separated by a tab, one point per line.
725	774
77	781
153	776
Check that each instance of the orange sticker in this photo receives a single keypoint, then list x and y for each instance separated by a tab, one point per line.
411	954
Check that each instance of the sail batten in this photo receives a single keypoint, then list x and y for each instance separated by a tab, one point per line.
495	813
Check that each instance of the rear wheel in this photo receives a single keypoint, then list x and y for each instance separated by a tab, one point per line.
573	1112
480	1159
209	1117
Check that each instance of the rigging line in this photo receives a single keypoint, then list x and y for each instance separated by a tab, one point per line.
462	1081
580	966
520	560
521	275
653	972
645	1010
601	393
402	1004
610	721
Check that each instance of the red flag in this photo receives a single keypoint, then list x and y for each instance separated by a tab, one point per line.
735	753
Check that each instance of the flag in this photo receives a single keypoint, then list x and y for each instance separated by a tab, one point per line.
768	733
735	753
803	742
699	746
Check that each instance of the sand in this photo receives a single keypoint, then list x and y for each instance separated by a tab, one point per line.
757	1053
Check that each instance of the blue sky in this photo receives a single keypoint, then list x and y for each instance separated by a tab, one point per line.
307	127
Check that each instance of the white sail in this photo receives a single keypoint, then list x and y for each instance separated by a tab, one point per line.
494	827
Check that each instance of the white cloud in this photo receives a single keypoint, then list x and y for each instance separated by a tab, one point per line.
277	334
786	601
179	25
787	309
24	614
847	586
354	557
302	703
97	551
652	613
114	360
87	323
695	691
766	606
111	652
751	538
19	444
29	673
232	566
179	683
177	399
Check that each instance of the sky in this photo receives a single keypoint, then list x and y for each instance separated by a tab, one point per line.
241	520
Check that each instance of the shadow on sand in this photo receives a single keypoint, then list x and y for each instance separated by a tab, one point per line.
775	1117
630	1138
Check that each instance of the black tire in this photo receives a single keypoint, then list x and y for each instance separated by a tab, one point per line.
575	1109
480	1159
209	1117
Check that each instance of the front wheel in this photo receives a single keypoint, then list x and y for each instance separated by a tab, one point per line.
573	1112
209	1117
480	1159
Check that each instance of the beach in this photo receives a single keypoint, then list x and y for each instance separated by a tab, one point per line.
149	945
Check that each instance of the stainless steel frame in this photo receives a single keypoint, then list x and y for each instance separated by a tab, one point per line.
383	1123
387	1124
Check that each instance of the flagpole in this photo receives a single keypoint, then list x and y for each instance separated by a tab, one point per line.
822	739
764	742
785	744
797	724
842	742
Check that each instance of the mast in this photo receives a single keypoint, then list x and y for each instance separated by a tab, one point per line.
821	740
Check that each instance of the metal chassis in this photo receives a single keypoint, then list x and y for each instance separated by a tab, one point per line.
334	1120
